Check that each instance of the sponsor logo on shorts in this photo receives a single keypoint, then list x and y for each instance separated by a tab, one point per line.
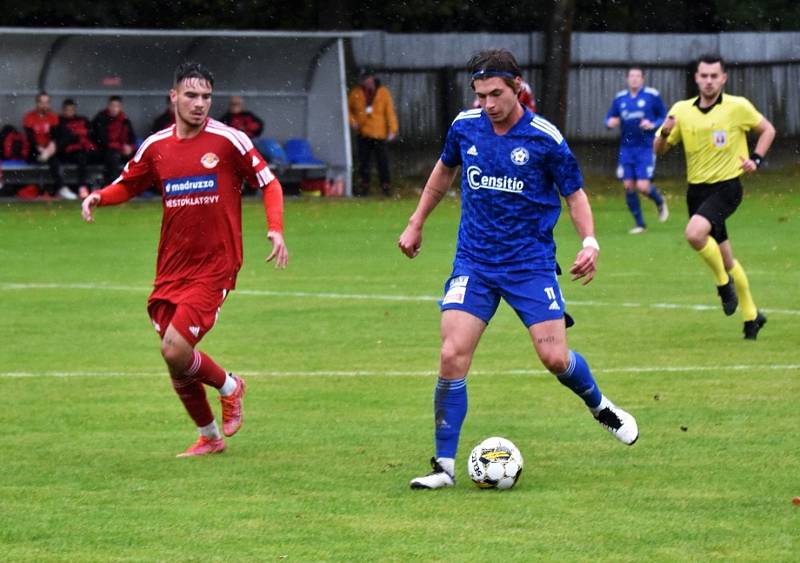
195	330
209	160
477	180
456	290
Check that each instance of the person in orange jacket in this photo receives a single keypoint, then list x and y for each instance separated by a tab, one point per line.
374	121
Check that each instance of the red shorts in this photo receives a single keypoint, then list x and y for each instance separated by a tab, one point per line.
192	310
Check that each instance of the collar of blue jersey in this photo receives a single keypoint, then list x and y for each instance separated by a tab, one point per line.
489	73
709	108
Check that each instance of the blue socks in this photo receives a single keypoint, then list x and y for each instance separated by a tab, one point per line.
578	378
655	196
449	410
632	199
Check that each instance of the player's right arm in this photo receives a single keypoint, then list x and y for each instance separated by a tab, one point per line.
436	187
612	117
136	177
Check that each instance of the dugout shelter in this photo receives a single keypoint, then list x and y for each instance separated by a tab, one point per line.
295	81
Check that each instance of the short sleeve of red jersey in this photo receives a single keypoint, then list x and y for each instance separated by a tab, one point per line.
136	177
251	165
255	171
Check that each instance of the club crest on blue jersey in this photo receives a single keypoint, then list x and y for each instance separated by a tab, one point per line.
478	180
520	156
190	185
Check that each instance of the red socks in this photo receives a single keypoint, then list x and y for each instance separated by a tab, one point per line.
206	370
193	396
191	392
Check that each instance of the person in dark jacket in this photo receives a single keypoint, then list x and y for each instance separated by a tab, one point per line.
165	119
241	119
74	145
114	135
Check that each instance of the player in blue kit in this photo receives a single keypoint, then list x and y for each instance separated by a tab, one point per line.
515	167
638	111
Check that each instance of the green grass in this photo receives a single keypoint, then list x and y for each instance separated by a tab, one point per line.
320	469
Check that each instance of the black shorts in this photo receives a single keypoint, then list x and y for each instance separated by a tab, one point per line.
716	202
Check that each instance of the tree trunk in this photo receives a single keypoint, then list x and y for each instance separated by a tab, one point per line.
556	62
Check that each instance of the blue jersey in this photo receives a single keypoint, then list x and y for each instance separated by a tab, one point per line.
646	104
510	188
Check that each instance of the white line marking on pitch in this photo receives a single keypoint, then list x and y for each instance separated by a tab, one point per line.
370	296
410	373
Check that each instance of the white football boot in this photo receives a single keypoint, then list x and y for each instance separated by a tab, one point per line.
436	479
663	211
620	423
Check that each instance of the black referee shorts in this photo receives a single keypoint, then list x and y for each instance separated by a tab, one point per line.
716	202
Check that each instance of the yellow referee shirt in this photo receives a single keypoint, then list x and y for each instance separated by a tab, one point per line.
713	140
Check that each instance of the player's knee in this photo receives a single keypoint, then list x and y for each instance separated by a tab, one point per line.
555	361
174	357
694	236
453	360
695	239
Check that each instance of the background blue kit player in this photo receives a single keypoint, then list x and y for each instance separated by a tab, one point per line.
639	112
515	168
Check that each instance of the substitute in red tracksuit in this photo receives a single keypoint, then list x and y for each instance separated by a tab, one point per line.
200	165
113	132
241	119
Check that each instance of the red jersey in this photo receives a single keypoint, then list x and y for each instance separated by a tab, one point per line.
526	97
40	125
201	185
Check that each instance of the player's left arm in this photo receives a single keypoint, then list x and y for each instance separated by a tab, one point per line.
766	135
580	212
273	207
567	175
254	168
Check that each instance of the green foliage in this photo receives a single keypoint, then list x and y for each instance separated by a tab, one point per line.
321	466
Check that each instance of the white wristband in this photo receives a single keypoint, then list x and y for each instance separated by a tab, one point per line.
591	241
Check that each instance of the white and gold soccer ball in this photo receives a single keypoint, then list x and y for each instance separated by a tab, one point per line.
495	463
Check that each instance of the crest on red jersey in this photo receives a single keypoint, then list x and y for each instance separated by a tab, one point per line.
209	160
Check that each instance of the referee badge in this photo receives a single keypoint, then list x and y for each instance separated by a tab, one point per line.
720	138
519	156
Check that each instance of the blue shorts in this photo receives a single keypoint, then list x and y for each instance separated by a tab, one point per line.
636	164
534	295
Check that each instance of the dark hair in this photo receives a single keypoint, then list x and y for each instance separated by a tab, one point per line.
494	62
636	67
192	70
115	98
68	102
40	94
710	59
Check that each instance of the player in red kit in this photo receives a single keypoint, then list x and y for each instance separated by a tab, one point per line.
200	165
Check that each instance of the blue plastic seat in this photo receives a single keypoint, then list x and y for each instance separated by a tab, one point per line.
298	151
272	150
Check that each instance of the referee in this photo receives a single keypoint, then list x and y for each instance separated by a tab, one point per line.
713	129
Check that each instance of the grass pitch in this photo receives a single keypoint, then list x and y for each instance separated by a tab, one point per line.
340	353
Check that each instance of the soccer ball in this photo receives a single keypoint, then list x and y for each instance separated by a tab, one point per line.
495	463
